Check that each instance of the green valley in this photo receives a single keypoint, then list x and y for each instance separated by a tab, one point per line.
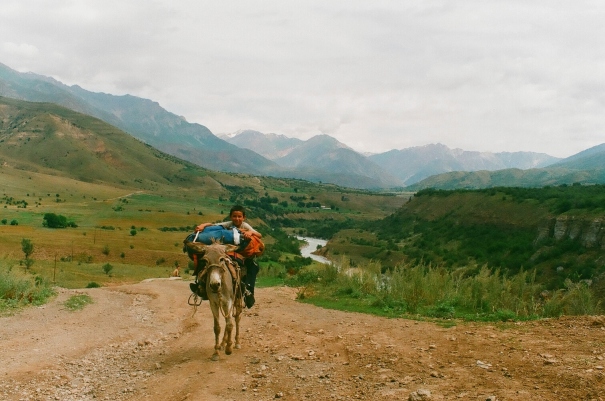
124	208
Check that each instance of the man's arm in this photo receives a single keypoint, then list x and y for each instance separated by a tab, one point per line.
202	226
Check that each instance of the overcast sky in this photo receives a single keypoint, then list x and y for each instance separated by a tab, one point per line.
499	75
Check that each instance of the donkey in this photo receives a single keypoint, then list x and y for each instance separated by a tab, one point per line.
223	296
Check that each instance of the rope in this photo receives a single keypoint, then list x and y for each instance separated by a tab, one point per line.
197	301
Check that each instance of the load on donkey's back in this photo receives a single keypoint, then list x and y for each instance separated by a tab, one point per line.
236	231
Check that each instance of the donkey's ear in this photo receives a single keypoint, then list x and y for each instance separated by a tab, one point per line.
231	248
196	247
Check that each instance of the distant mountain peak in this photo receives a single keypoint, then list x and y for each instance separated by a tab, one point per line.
272	146
324	139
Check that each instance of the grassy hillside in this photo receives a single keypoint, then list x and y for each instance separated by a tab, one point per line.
43	137
557	230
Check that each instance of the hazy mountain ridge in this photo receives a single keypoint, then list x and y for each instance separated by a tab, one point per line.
399	167
148	121
588	159
142	118
414	164
586	167
321	158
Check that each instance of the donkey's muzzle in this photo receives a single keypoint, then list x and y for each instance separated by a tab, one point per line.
215	286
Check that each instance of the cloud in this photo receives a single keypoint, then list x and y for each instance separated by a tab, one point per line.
19	50
503	75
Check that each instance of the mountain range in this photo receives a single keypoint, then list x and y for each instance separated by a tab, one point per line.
142	118
319	159
434	165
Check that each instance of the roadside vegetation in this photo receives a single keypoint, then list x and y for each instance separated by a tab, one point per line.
18	290
421	291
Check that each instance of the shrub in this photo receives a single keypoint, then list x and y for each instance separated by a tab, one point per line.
17	291
107	268
93	284
27	247
77	302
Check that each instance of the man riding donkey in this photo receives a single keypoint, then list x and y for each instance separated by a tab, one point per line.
245	257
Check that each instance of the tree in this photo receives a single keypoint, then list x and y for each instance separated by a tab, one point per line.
27	246
52	220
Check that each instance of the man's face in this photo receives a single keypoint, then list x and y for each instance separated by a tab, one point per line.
237	218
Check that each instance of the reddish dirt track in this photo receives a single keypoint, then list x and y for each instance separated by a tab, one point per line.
143	342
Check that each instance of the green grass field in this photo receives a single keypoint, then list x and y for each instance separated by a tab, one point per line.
139	232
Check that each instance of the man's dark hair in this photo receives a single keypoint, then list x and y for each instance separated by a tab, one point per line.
237	208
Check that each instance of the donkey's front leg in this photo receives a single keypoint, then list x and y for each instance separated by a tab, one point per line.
217	333
227	336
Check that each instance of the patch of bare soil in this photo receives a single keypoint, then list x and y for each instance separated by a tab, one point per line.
143	342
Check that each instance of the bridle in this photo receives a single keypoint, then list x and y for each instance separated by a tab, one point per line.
224	269
210	266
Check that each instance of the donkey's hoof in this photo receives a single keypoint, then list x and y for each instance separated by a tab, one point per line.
215	357
238	346
228	351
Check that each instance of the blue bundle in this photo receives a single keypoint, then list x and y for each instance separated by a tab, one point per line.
216	233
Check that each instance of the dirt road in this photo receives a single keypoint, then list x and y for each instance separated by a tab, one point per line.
141	342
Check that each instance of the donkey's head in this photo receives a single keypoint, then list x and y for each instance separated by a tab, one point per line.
215	256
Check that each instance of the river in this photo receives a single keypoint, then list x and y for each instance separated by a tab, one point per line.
306	250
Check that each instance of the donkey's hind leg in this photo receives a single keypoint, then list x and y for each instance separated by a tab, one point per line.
238	316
